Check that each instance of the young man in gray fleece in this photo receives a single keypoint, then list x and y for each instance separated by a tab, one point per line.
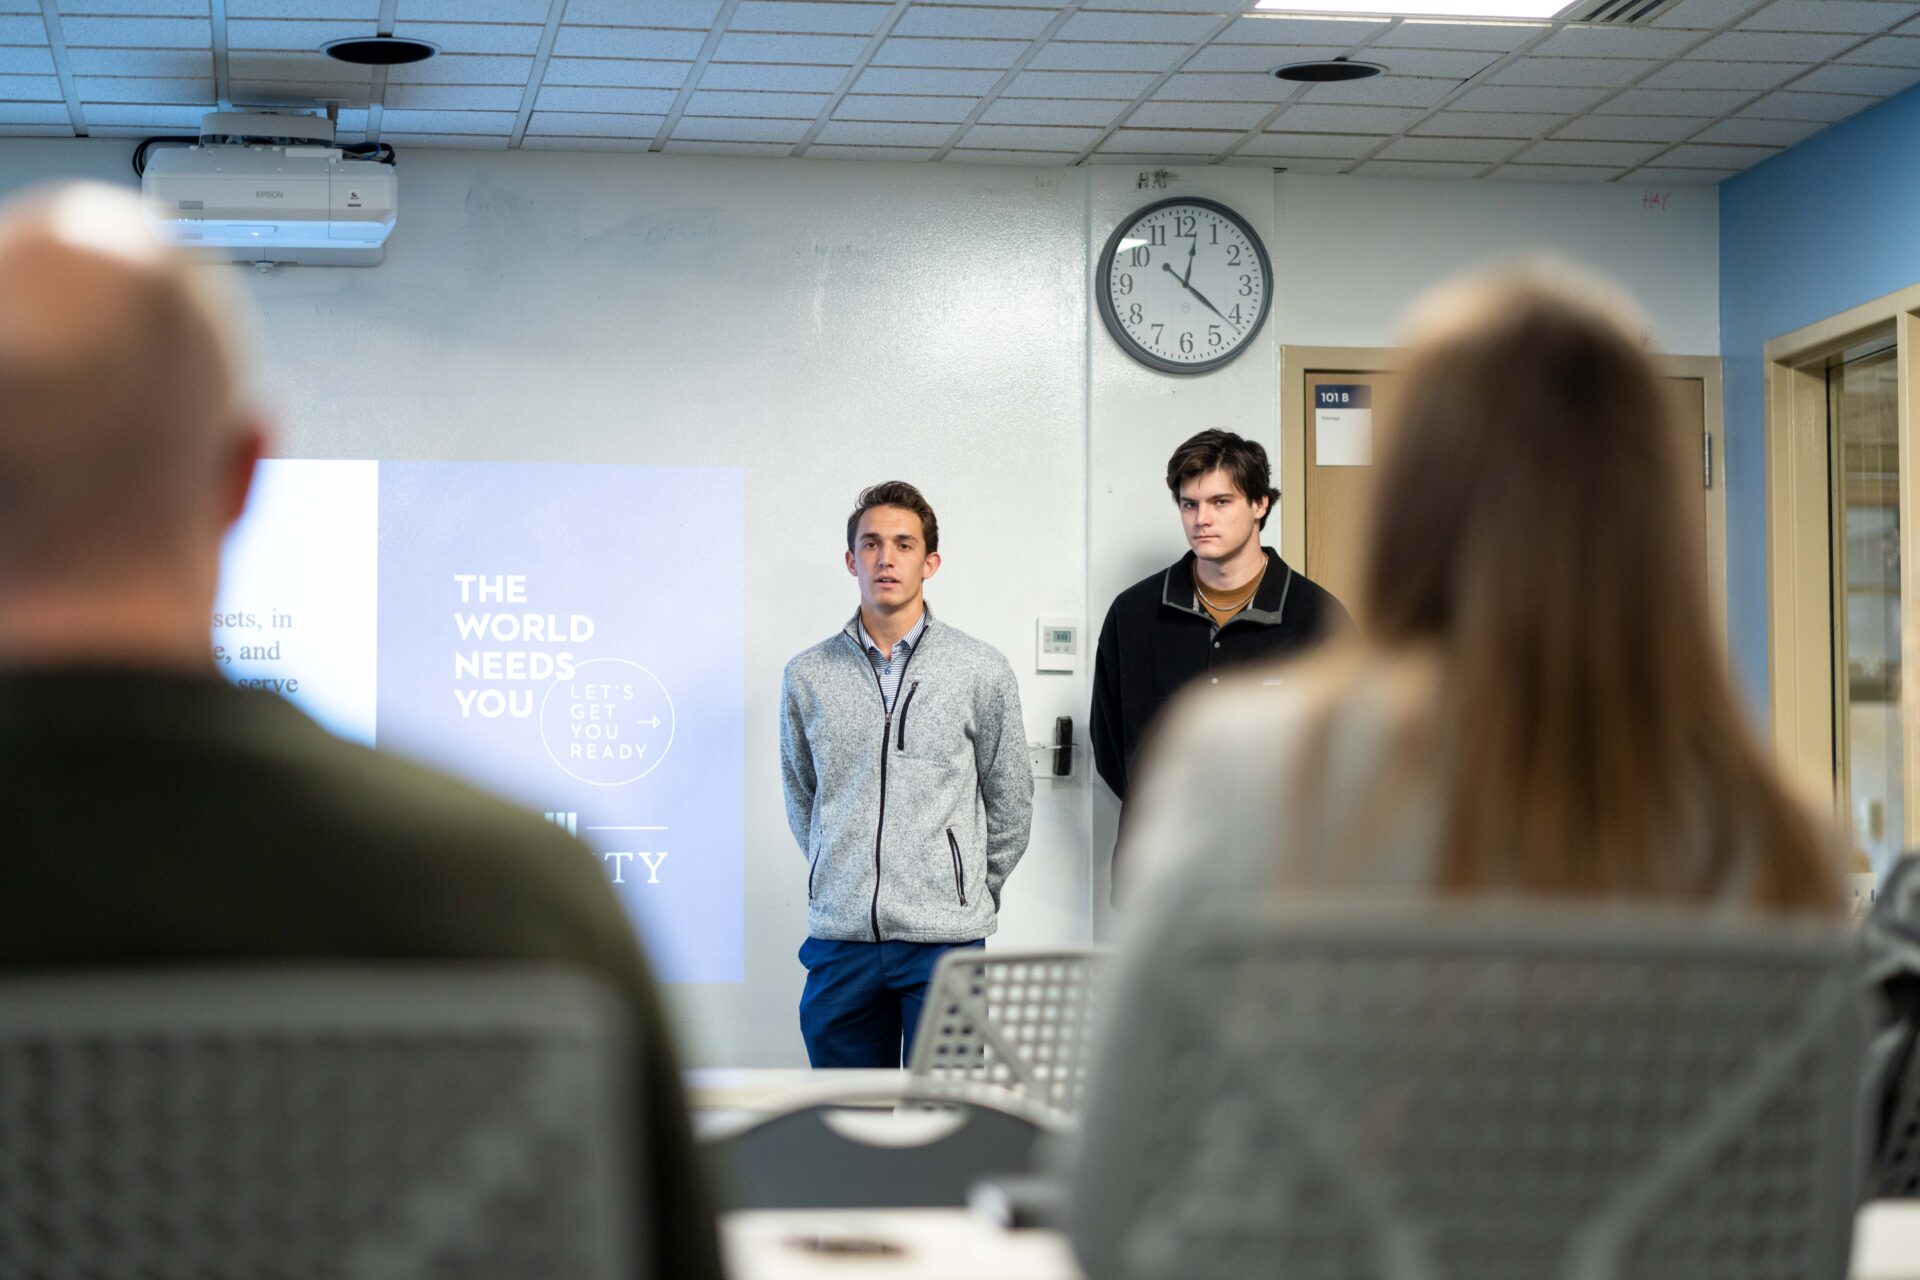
904	756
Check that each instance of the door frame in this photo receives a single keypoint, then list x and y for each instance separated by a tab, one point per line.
1804	630
1298	362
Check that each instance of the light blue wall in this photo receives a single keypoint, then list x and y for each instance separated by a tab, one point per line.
1830	224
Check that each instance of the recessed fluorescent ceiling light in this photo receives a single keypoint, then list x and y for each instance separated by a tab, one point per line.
1423	8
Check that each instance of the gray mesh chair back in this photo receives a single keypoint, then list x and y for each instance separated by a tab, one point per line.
1474	1095
1021	1021
1898	1174
337	1125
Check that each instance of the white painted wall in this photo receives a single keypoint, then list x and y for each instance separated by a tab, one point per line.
828	324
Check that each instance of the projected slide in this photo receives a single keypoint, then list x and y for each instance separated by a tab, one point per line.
568	636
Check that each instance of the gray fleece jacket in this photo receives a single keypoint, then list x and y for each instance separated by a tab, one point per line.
911	821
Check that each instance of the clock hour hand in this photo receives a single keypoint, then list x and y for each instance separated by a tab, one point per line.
1191	250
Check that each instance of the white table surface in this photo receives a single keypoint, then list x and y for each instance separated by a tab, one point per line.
953	1244
771	1089
935	1244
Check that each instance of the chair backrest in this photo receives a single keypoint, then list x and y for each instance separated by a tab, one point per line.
1476	1094
804	1159
1898	1173
1021	1021
342	1123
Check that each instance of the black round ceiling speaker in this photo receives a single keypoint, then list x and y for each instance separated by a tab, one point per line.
1329	72
379	51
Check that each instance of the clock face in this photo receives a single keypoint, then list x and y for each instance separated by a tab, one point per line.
1184	285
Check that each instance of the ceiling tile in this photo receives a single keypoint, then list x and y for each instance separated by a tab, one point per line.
1454	64
694	15
1220	87
760	75
1490	37
47	88
1217	7
1383	91
1418	169
555	97
917	80
1262	59
1838	78
1307	117
971	156
1334	146
1531	98
1554	173
633	42
1478	150
1676	102
1632	128
62	130
1887	51
473	37
1700	74
1681	177
446	141
39	113
1594	73
1079	84
137	33
735	129
528	11
447	121
1199	115
1863	17
460	97
1762	133
1282	163
143	115
368	9
1331	32
904	109
1165	27
1564	151
804	17
278	95
1699	155
804	106
1488	124
1177	142
995	54
1070	111
307	68
17	29
1703	15
762	149
1764	46
953	20
619	73
300	37
22	61
898	155
592	125
1029	137
1062	55
540	142
464	68
1828	108
147	8
191	89
873	133
1610	42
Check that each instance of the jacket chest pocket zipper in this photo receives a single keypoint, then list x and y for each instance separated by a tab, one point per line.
811	868
900	744
959	875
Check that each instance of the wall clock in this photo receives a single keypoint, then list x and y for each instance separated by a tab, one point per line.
1184	285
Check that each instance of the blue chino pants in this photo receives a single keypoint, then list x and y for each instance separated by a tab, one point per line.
862	999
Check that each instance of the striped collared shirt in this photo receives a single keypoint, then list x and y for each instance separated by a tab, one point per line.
890	667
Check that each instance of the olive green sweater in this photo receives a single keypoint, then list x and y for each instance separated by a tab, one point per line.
150	819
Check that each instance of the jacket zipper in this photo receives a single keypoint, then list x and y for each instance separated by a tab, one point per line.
886	740
901	745
959	880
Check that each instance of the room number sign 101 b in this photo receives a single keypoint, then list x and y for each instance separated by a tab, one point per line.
1184	285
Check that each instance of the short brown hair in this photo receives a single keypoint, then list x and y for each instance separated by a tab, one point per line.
895	493
1244	461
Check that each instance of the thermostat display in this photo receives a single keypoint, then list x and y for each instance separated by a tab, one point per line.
1057	645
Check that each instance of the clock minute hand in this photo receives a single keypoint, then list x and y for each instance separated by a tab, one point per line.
1209	306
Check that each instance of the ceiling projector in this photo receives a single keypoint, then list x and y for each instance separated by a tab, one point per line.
265	188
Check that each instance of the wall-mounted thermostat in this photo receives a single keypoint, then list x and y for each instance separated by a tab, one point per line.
1057	645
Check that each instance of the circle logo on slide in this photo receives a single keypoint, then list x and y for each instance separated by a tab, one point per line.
610	725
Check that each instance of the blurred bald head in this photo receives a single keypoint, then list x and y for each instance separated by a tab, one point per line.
124	448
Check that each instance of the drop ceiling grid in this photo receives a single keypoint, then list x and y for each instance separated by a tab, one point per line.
1710	87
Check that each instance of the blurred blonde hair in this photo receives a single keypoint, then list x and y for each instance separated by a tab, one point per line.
1527	539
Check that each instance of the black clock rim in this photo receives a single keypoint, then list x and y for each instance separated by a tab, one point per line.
1103	286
